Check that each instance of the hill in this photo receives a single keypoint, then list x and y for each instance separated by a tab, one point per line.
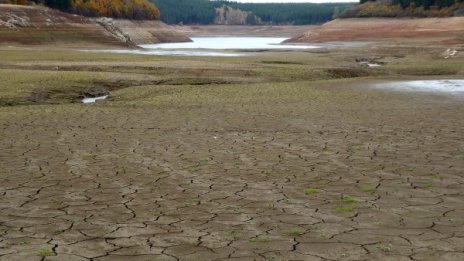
128	9
405	8
365	29
224	12
41	25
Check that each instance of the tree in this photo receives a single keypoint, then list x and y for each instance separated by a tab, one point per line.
132	9
209	12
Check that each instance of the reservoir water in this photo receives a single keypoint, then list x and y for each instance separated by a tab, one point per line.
228	46
230	43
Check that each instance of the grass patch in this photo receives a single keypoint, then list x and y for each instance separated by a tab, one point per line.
385	248
428	71
87	156
367	189
46	252
344	209
295	232
347	72
310	191
428	185
22	87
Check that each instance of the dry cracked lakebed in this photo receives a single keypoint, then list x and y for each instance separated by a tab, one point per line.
327	174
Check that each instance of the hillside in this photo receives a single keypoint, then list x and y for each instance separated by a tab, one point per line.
150	32
405	8
40	25
365	29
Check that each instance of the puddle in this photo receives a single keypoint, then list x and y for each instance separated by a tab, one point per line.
437	86
370	64
93	99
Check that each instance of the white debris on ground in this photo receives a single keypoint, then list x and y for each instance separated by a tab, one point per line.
13	21
49	22
369	64
94	99
449	53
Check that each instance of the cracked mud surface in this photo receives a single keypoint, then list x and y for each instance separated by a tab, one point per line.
224	159
207	182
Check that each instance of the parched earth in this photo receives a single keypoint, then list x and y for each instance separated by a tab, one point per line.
311	176
283	156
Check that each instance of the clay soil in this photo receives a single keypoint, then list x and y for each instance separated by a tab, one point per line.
363	29
45	26
279	156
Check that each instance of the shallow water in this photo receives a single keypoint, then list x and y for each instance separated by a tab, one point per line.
371	65
213	46
438	86
230	43
93	99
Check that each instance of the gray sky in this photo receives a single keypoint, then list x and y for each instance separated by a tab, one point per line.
293	1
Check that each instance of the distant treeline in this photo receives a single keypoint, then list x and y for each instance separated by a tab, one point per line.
130	9
225	12
404	8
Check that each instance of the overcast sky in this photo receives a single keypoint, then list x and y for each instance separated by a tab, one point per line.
293	1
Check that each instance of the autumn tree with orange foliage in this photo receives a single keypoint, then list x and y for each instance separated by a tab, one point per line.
14	2
130	9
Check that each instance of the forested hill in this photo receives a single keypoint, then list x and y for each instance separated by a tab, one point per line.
224	12
130	9
405	8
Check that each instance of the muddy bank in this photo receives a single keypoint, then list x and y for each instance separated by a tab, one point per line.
144	32
362	29
28	25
